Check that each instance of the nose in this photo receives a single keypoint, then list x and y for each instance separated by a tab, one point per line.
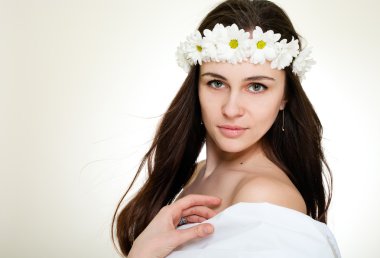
232	107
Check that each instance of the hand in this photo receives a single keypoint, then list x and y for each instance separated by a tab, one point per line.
161	237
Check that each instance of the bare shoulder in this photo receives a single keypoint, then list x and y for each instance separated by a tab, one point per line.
271	190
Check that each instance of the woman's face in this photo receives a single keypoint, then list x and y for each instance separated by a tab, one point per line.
239	102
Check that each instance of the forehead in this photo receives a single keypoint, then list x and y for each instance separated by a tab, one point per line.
242	70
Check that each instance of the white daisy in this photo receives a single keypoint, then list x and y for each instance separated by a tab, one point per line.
263	45
303	63
194	47
234	48
212	39
226	43
285	53
182	60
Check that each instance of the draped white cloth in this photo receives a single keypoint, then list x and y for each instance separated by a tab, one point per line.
261	230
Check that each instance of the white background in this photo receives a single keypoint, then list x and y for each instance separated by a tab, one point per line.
83	84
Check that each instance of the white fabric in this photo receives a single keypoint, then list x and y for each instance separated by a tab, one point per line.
261	230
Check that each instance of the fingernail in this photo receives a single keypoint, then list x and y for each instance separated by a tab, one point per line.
208	230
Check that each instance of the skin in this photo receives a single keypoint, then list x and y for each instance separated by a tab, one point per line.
236	169
227	97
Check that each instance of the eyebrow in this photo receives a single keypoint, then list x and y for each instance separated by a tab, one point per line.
257	77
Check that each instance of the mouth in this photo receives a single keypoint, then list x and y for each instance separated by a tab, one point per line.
231	131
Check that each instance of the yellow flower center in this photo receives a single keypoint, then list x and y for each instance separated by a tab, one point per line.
199	48
234	43
261	44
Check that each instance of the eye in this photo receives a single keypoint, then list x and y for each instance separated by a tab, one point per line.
256	87
215	84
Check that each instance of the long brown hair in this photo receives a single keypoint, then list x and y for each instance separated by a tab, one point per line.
171	159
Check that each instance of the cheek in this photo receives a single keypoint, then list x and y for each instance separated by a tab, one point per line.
266	117
208	104
208	109
265	112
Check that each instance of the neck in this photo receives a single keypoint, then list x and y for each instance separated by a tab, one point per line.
219	160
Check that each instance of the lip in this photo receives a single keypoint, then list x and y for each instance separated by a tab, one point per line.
232	131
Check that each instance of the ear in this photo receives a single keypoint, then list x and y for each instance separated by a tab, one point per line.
283	104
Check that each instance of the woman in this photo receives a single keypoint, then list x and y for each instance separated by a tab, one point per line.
244	100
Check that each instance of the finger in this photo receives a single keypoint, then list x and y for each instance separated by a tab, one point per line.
198	231
196	199
195	219
178	237
202	211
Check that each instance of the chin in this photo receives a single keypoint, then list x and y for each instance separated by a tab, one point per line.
235	147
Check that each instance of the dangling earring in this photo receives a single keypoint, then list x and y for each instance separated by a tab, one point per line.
201	122
283	120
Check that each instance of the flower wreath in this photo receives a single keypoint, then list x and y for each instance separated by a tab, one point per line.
231	44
